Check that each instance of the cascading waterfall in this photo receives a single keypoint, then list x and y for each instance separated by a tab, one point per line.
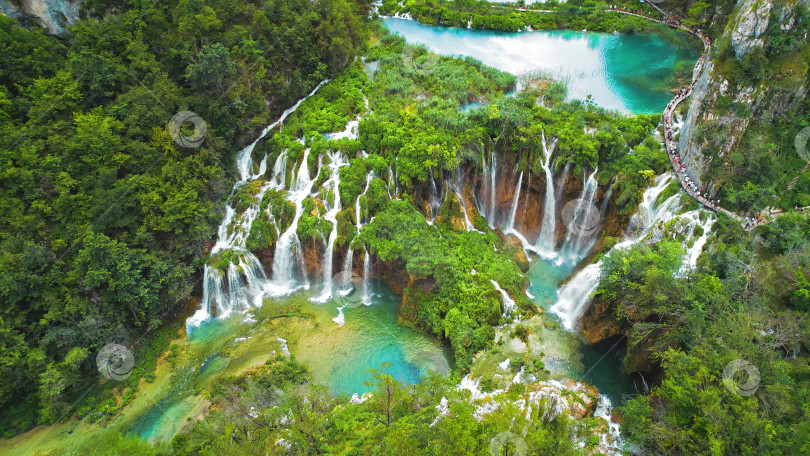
245	280
347	264
513	213
510	227
526	200
692	253
366	278
288	256
333	184
457	187
545	241
434	199
390	184
244	158
279	179
357	209
574	297
492	173
509	304
396	177
562	179
481	200
579	241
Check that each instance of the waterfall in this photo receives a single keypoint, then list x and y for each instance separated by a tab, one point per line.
357	210
612	438
396	177
244	158
545	241
350	253
279	179
509	305
692	253
481	199
241	294
561	181
458	189
492	173
574	297
583	225
366	278
390	184
434	199
513	213
526	200
289	255
347	265
336	161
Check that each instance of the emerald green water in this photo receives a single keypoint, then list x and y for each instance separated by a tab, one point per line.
568	354
627	73
339	356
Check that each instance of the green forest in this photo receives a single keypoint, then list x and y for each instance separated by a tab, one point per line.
111	232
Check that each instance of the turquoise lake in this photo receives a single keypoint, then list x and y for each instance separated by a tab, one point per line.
627	73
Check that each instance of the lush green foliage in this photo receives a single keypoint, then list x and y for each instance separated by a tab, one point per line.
248	412
695	325
102	215
574	14
460	304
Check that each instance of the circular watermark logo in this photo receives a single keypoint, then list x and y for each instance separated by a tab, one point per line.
508	444
581	217
801	143
347	289
115	361
182	136
741	377
419	60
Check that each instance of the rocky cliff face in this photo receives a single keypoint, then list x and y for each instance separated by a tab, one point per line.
710	129
53	15
751	25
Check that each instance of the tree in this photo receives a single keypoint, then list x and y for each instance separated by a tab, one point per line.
211	69
57	383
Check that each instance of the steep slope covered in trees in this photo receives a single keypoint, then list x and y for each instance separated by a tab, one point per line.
102	215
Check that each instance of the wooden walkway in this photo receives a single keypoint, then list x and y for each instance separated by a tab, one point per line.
669	135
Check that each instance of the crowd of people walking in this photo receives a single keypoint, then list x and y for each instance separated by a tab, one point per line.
692	188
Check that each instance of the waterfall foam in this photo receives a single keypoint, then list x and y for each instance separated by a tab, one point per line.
333	184
545	241
366	278
579	235
574	297
289	256
509	304
510	227
245	281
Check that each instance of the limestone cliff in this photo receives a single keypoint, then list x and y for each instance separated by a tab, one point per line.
727	102
751	24
53	15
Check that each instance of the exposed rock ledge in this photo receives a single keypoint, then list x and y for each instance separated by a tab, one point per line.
53	15
752	24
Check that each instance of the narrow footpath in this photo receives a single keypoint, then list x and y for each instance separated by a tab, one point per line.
687	183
